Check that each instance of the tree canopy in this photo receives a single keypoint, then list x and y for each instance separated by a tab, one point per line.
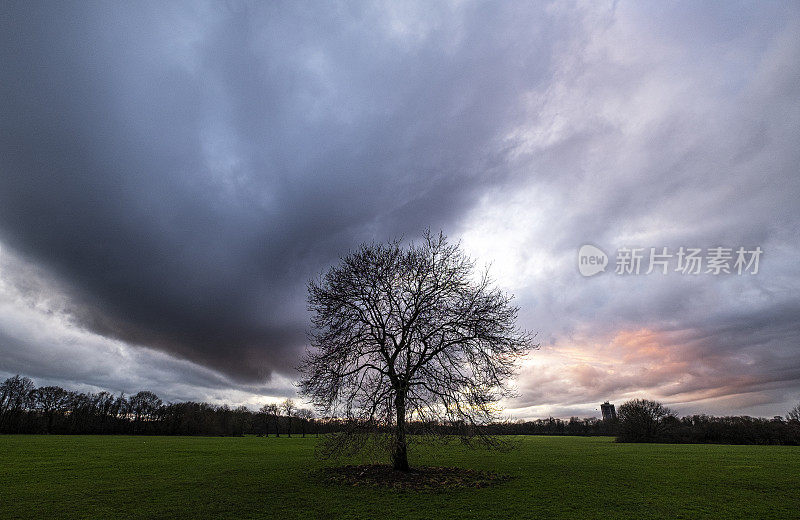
410	333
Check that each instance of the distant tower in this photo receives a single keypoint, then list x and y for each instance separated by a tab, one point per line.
609	412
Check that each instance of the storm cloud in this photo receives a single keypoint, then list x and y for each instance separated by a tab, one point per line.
172	175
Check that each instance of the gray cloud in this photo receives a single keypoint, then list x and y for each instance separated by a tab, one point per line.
178	172
186	172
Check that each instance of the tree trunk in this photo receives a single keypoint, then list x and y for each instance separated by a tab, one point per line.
399	450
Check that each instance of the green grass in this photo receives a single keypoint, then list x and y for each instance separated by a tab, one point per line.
554	477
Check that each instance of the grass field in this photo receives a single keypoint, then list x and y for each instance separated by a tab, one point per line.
553	477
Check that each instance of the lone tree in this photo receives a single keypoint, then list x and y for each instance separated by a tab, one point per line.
410	334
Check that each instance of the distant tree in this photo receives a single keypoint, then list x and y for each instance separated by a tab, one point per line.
15	393
401	334
273	412
263	420
104	403
305	415
794	414
288	408
641	420
241	420
80	411
15	396
122	407
143	406
50	400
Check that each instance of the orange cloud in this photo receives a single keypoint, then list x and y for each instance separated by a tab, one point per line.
671	366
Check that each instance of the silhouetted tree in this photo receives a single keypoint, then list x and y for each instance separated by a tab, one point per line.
105	409
288	408
50	400
241	421
641	420
15	397
273	412
52	409
405	334
794	414
305	415
263	420
143	405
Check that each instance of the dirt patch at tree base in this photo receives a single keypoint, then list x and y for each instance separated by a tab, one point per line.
428	478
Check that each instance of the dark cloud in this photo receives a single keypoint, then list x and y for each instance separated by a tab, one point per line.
185	171
175	173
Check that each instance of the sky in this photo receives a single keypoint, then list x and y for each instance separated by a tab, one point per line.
172	175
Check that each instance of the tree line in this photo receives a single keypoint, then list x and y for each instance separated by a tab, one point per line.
24	408
641	420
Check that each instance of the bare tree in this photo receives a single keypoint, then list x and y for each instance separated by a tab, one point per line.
263	420
15	396
794	414
410	334
305	415
144	405
50	400
121	407
105	401
273	412
288	408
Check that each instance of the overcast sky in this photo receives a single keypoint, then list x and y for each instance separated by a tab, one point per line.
171	175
